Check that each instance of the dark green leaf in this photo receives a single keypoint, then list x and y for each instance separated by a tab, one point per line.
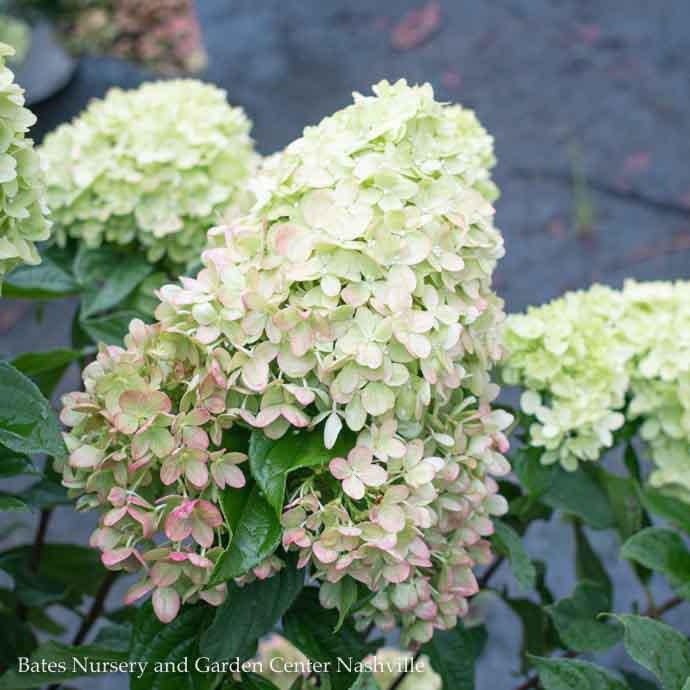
250	681
9	503
73	570
271	461
534	477
17	639
27	422
508	543
575	618
366	681
59	654
153	641
109	329
45	493
12	464
666	506
310	628
46	368
453	655
579	494
663	551
248	613
50	279
119	281
588	565
625	502
659	648
117	636
538	636
255	530
571	674
637	683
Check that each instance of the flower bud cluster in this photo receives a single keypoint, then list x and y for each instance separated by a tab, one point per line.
156	166
356	296
592	360
22	211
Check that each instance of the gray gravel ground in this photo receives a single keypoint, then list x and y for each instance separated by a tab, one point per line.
595	90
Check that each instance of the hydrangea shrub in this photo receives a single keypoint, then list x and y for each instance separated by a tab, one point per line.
593	359
153	167
23	218
354	299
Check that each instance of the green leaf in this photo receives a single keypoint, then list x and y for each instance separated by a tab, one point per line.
49	280
248	613
366	681
71	569
13	464
576	622
27	422
666	506
17	639
659	648
45	493
9	503
251	681
579	494
624	501
46	368
271	461
588	565
637	683
538	636
508	543
310	628
119	281
534	477
117	636
109	329
570	674
453	655
349	594
63	656
153	641
665	552
255	530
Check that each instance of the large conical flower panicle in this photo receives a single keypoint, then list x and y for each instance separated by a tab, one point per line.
353	301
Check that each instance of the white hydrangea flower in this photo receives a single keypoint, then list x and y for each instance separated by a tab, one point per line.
357	294
591	359
156	166
23	214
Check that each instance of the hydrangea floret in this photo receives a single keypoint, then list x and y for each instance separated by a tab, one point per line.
156	167
355	300
23	219
592	360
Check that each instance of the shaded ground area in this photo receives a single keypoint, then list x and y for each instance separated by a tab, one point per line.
588	102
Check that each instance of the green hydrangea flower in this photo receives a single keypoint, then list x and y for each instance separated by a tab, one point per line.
157	166
592	359
23	216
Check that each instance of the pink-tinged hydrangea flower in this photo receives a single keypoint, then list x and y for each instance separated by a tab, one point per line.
353	301
358	472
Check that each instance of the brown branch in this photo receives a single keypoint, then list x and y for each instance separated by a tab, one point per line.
96	607
651	612
40	538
